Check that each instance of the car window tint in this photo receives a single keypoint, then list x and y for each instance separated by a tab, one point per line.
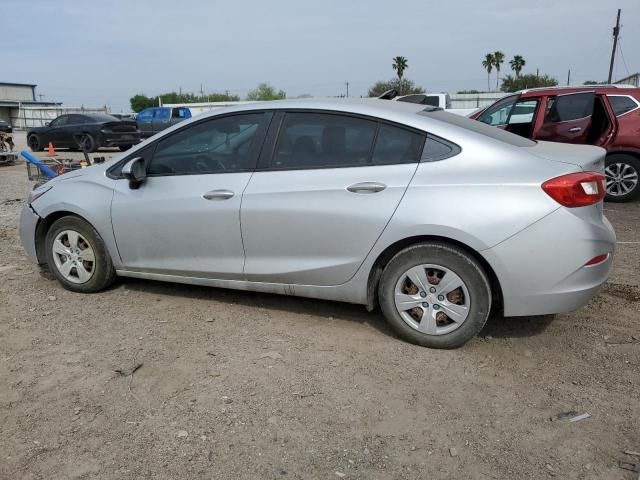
437	149
397	145
569	107
621	104
219	145
161	114
76	119
61	120
498	113
322	140
523	112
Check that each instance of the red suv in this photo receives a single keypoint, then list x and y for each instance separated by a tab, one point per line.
603	115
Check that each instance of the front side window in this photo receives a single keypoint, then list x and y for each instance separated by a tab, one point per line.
563	108
499	112
219	145
58	122
322	140
523	112
622	104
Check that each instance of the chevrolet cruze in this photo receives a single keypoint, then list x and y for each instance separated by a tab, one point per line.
436	218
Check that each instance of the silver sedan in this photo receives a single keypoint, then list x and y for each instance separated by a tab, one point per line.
437	219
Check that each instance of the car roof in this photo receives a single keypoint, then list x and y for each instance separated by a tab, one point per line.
612	89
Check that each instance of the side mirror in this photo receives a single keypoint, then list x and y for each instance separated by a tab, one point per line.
134	171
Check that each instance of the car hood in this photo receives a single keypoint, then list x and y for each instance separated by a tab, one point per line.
587	157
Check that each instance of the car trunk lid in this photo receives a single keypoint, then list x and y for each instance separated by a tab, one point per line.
123	126
586	157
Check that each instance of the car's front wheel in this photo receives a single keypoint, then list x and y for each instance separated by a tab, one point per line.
34	143
435	295
77	256
623	177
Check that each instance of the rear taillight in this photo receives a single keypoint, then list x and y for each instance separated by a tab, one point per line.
576	189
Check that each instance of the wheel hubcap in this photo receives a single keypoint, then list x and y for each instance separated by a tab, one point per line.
73	256
622	178
440	311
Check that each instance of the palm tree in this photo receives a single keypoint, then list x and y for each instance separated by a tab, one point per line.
516	64
400	65
498	59
487	63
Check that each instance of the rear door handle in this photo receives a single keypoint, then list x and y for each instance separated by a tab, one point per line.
575	130
366	187
218	195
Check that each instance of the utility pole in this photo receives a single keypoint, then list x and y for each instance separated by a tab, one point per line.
616	32
40	95
347	89
201	91
569	78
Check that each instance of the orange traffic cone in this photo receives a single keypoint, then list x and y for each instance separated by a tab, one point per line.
52	151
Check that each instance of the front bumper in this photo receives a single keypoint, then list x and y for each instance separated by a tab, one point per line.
542	269
28	224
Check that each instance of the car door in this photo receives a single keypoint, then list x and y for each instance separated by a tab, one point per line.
144	119
567	118
69	132
322	195
161	119
184	220
57	131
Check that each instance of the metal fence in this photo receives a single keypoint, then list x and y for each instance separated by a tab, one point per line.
27	117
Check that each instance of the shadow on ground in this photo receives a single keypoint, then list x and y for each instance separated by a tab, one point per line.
496	326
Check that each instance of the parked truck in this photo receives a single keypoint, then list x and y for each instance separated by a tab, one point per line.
152	120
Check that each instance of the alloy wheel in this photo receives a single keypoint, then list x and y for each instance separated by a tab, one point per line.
622	178
73	256
432	299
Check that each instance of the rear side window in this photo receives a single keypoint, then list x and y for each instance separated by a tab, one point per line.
437	148
397	145
320	140
622	104
569	107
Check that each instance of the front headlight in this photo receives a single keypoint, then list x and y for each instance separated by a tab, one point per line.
38	192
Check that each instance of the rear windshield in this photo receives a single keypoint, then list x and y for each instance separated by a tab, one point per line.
478	127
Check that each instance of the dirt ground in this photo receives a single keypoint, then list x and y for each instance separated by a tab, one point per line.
237	385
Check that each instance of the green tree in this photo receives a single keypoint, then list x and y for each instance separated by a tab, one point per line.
593	82
400	64
404	87
139	102
265	92
487	63
468	91
516	64
498	59
531	80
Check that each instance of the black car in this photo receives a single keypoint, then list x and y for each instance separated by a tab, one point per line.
5	127
87	131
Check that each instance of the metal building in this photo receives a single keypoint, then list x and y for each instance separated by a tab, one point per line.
14	97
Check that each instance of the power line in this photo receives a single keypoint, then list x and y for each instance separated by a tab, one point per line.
624	62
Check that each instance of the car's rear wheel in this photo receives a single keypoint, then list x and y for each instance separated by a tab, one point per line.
623	177
34	143
124	148
435	295
77	256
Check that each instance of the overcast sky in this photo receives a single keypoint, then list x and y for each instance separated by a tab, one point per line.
96	53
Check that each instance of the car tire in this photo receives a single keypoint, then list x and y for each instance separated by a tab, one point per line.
623	177
34	143
450	267
77	256
89	144
124	148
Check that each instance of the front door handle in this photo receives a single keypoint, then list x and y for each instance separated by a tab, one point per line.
366	187
575	130
218	195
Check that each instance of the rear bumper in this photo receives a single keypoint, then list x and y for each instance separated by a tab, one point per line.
115	139
28	224
542	269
